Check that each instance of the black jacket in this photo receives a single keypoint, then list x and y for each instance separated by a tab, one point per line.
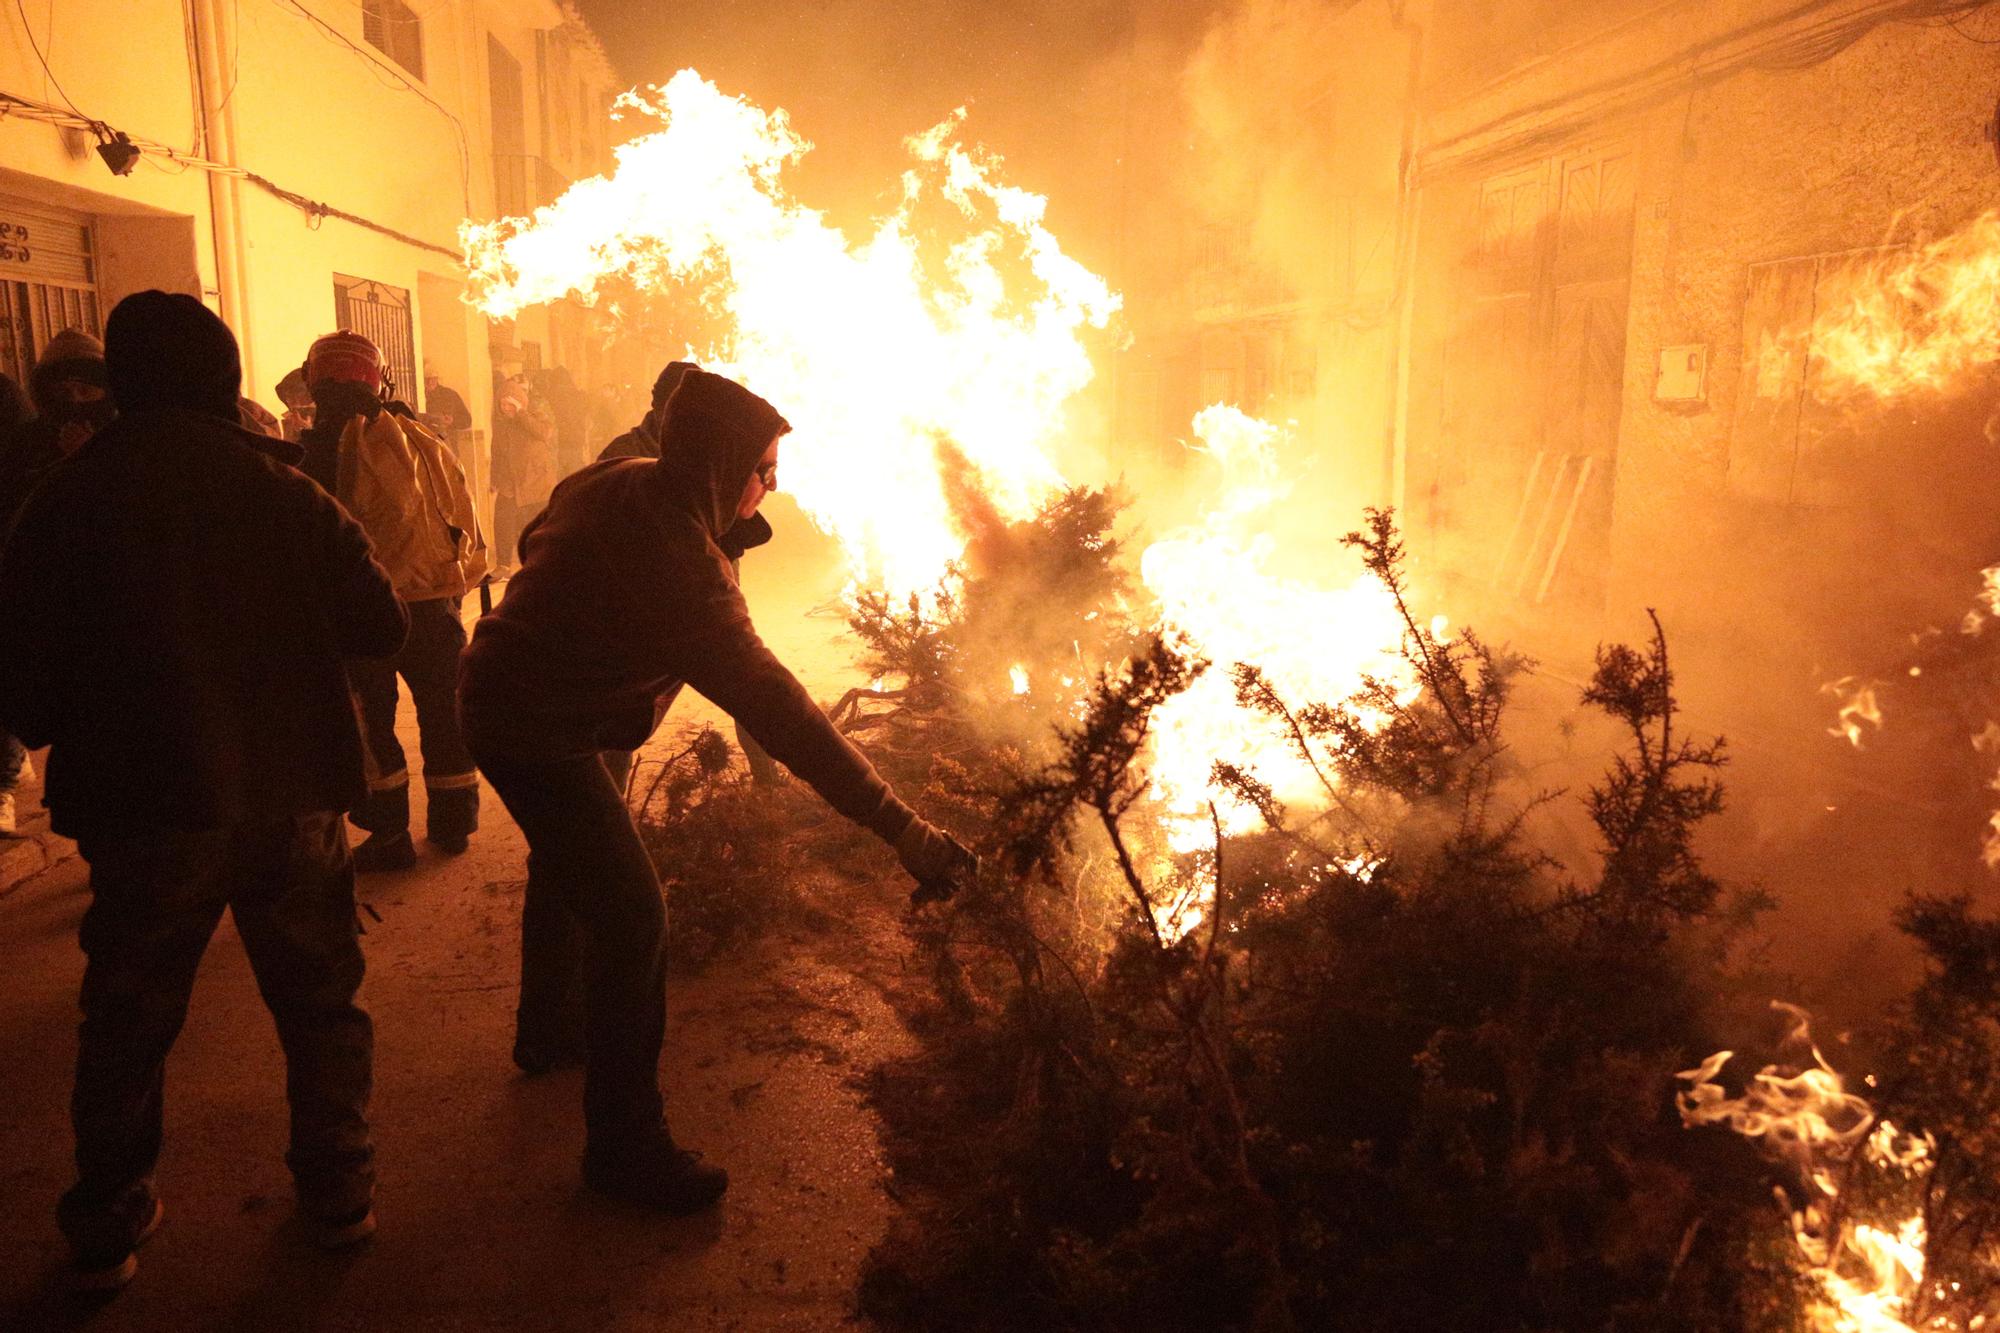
26	453
624	594
177	604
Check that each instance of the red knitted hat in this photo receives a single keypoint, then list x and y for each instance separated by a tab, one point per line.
344	356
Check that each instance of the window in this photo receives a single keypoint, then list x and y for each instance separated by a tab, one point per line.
48	282
512	186
504	88
394	29
552	69
380	313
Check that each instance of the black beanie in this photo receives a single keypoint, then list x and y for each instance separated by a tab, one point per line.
167	349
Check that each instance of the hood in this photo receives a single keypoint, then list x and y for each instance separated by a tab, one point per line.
71	345
70	355
715	432
169	350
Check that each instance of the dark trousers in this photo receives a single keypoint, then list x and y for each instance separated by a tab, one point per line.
591	891
157	897
428	663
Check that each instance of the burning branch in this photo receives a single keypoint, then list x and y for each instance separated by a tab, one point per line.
1827	1139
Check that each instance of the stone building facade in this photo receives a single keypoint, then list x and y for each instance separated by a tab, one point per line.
1579	230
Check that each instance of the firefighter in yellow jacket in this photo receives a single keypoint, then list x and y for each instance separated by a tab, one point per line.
408	492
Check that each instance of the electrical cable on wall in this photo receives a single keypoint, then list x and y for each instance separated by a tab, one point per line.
1764	44
385	67
27	108
28	27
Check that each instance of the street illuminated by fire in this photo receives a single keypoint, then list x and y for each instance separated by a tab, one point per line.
1183	665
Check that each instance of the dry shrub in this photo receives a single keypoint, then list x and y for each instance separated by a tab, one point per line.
726	848
1409	1073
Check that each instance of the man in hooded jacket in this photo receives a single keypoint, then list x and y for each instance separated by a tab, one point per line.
179	601
624	595
745	534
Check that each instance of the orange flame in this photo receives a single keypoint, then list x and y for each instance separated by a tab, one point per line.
873	355
1869	1276
1913	321
1860	708
1217	581
882	359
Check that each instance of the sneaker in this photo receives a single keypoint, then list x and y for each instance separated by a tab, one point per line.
337	1233
453	844
10	826
384	851
104	1274
656	1174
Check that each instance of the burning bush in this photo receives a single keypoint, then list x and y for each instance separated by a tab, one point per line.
1892	1201
1373	1058
1379	1063
1941	1080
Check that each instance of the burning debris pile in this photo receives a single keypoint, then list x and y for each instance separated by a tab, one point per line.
1890	1196
1274	1007
929	370
1398	1070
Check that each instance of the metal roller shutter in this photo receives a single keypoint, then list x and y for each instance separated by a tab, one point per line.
48	281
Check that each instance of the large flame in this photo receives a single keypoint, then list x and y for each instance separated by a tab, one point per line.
1912	321
969	334
1871	1277
876	349
1219	582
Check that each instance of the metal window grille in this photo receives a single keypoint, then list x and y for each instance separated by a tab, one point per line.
380	313
396	30
31	313
48	282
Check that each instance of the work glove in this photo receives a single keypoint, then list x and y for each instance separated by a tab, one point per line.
940	863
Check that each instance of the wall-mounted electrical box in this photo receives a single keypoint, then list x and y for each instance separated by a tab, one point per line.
1683	374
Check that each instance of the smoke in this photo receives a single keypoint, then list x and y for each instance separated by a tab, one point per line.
1272	97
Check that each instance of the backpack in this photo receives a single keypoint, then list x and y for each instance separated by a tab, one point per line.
406	489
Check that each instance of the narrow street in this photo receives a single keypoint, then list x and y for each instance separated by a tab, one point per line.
484	1222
